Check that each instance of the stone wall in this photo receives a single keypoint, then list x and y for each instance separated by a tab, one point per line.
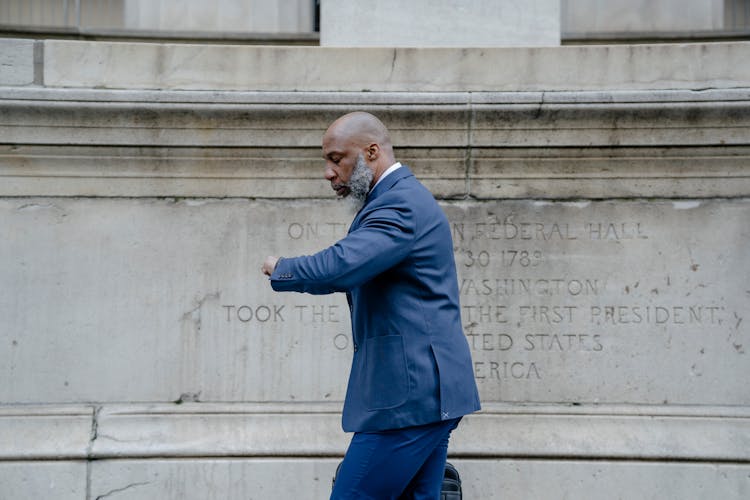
608	16
191	16
599	203
448	23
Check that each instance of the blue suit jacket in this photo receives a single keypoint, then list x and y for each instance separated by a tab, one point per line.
411	362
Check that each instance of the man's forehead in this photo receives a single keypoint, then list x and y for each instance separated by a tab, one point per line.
333	141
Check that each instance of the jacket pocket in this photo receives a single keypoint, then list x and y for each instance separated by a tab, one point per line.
386	381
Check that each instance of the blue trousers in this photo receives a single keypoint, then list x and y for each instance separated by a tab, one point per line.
397	464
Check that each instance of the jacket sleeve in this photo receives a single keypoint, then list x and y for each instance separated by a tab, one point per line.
383	239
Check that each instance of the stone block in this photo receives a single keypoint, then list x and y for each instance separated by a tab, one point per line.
43	432
16	61
196	479
641	16
498	478
80	64
617	172
253	16
597	301
581	302
552	480
121	311
452	23
219	430
624	432
42	479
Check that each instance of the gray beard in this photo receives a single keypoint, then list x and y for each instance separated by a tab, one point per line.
359	183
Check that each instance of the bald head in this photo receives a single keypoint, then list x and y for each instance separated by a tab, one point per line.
354	135
362	128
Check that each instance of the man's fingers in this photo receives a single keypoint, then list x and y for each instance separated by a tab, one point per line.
269	265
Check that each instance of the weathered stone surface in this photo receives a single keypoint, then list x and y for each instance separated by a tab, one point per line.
42	432
139	291
611	327
164	66
200	479
259	16
553	480
698	433
16	61
452	23
616	172
216	430
595	302
42	480
626	432
483	145
639	16
538	479
606	302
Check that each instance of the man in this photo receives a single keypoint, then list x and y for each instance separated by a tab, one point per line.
411	378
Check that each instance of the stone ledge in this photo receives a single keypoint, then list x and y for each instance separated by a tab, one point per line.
483	145
557	173
86	64
354	97
187	479
37	432
481	479
313	429
612	436
173	66
412	125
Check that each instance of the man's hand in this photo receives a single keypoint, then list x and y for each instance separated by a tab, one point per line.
269	265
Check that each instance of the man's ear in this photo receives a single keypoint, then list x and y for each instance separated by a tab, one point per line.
373	151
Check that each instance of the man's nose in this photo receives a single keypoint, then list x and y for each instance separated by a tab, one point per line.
329	174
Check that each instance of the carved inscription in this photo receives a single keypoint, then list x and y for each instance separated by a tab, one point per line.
610	302
559	302
554	293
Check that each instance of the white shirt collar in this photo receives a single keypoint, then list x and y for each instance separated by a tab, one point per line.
389	171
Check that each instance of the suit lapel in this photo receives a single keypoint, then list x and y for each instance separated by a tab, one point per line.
381	188
388	182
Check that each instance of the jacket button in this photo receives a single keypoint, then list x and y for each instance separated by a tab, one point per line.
355	347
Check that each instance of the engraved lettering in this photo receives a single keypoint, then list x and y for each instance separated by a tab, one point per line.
518	370
615	231
547	314
656	315
261	313
317	314
503	287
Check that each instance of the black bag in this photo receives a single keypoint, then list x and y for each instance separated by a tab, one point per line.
451	489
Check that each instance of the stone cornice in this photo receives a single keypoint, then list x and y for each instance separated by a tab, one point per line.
63	142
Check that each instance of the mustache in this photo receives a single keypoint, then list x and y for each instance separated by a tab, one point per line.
344	187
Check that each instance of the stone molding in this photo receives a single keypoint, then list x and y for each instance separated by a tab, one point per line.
60	142
182	66
142	431
119	65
